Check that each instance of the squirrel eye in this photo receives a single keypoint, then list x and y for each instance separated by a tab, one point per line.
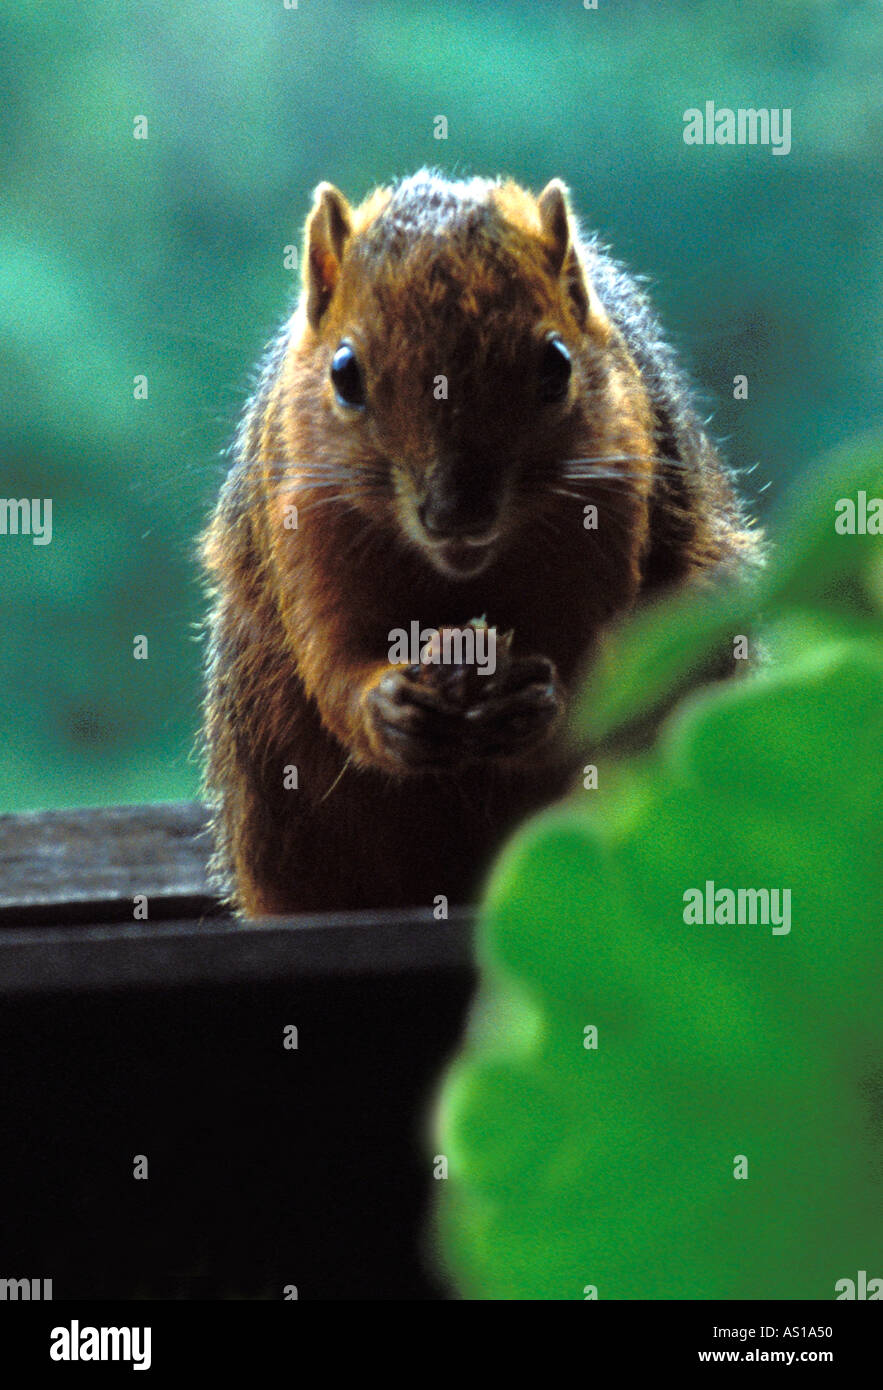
346	378
554	371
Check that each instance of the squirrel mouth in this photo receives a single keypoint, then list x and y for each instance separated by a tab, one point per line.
462	559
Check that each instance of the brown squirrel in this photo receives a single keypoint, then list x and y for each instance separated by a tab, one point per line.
464	378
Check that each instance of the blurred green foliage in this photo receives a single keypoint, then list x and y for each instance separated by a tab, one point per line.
613	1166
165	257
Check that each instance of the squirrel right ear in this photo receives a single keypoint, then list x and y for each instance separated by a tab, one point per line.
329	227
556	221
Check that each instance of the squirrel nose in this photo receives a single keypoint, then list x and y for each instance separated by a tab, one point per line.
453	520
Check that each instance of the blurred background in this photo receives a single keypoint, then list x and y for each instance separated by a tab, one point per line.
165	258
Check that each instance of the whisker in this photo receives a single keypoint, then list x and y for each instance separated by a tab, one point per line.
612	501
608	475
586	468
567	492
345	498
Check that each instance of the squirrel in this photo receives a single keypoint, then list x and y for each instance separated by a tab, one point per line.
471	410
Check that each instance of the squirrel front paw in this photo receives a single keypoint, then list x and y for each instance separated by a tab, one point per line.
435	716
516	709
411	726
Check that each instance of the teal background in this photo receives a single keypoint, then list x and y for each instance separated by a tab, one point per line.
165	257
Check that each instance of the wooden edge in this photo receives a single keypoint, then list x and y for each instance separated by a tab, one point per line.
219	951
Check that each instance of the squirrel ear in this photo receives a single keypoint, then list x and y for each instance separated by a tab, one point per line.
329	226
557	223
555	220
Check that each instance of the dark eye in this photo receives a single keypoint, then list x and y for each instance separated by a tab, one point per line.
554	371
346	378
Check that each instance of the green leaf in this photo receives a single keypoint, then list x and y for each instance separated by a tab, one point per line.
615	1166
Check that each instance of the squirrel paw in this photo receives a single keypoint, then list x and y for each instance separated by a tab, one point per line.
434	717
516	710
412	725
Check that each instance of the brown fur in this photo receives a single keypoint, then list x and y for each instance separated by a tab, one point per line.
463	280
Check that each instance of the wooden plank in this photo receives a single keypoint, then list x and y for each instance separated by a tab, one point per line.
86	865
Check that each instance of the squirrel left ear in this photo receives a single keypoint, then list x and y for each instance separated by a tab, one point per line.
556	221
329	227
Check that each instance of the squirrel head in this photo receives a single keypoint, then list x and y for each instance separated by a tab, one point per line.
450	347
